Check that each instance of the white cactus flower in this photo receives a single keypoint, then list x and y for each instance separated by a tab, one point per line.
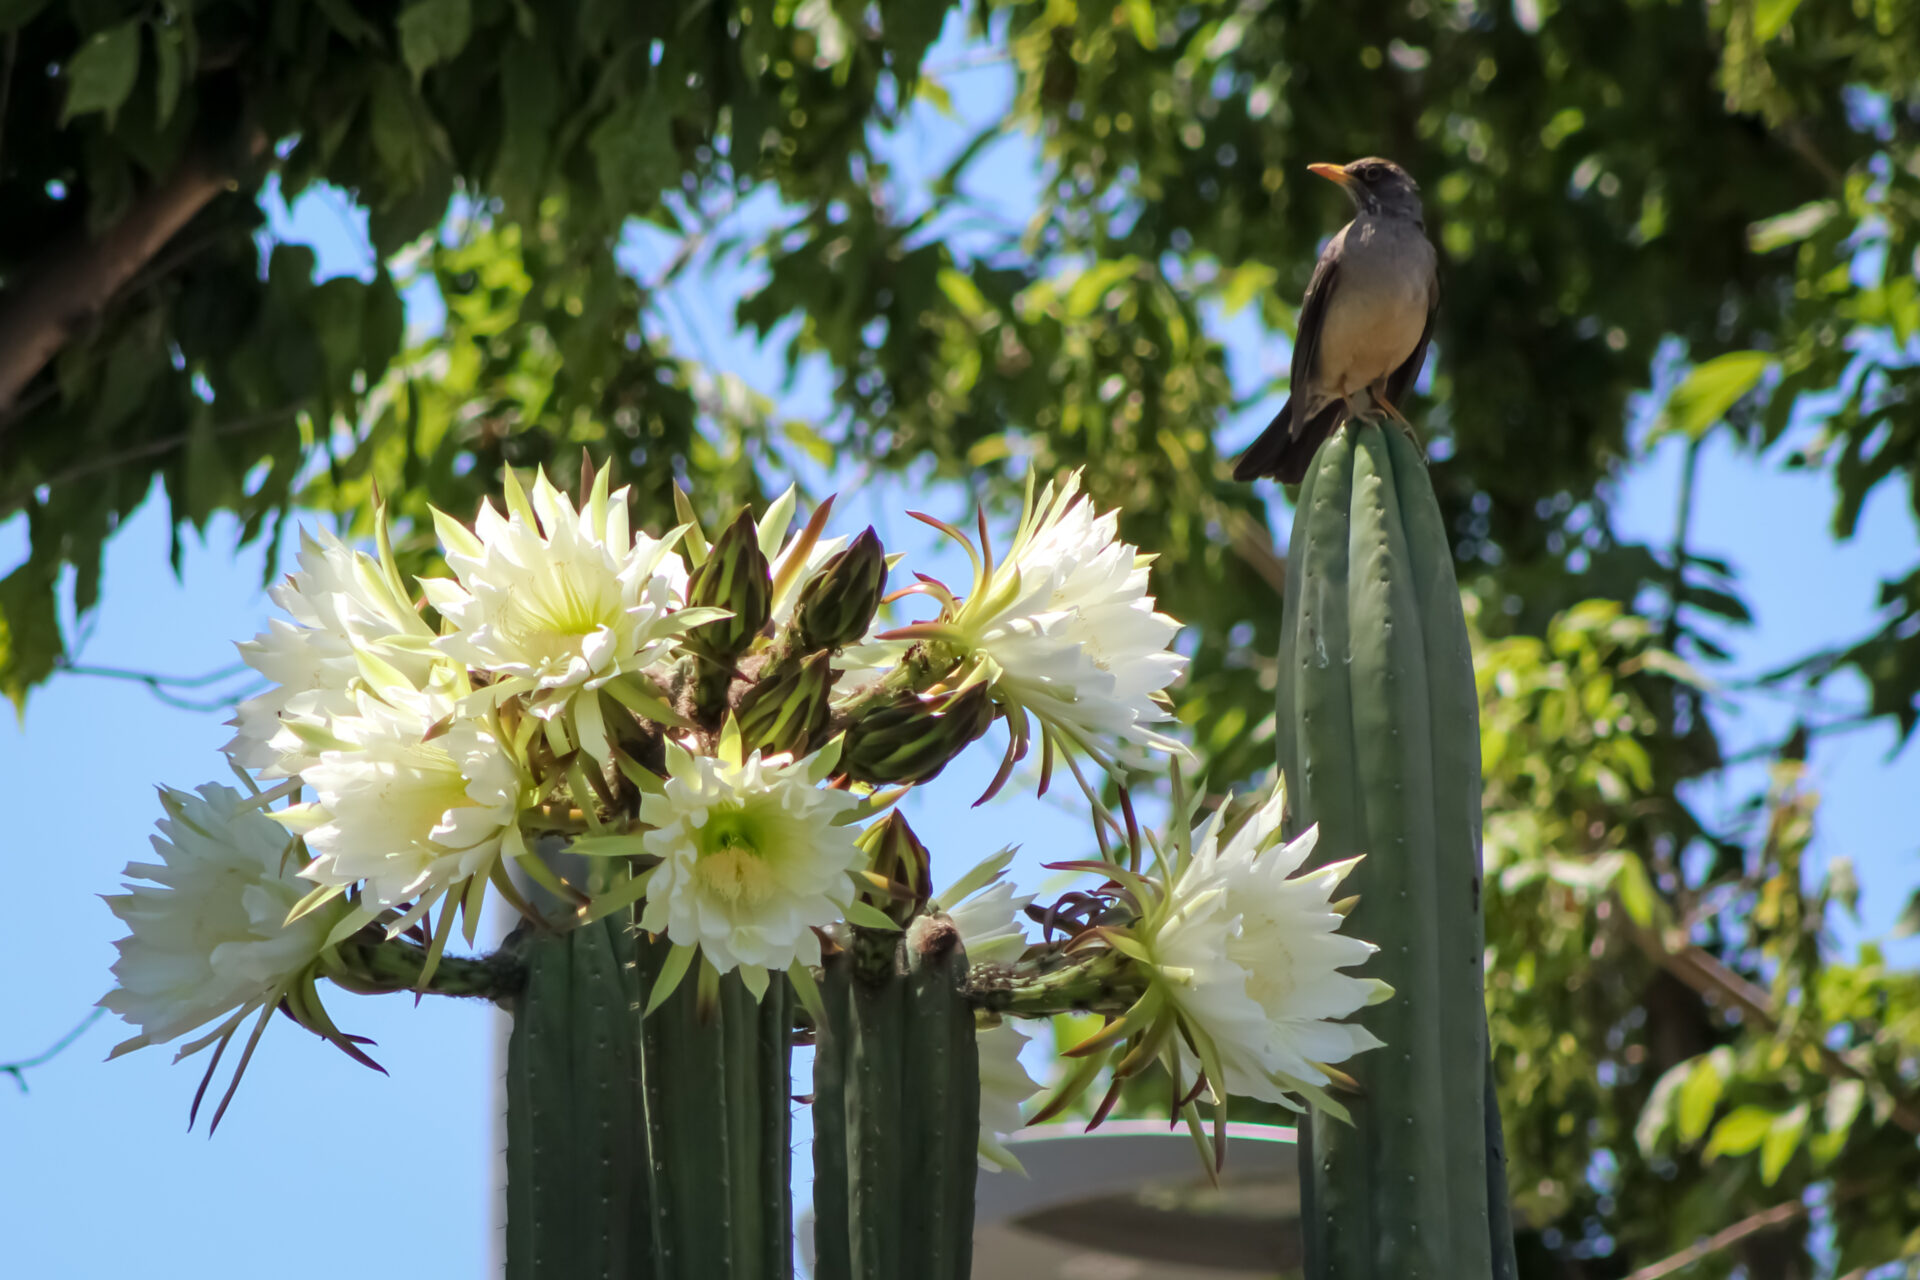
412	800
556	602
751	858
1066	630
1253	956
340	603
208	937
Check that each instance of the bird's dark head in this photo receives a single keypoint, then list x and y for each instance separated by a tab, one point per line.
1375	186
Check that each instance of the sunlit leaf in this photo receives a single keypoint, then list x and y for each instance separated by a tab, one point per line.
1712	389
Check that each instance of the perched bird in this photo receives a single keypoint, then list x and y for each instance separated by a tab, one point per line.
1364	324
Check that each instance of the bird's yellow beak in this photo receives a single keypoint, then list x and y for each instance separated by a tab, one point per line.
1332	173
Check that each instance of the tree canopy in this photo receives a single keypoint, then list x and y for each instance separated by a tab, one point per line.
1718	199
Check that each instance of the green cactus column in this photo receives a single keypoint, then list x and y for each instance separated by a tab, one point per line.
1379	740
650	1148
896	1112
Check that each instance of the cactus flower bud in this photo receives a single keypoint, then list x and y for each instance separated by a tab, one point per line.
910	738
735	577
895	854
788	709
838	603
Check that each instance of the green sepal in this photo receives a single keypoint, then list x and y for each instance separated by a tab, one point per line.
672	970
868	916
696	539
618	898
615	845
641	696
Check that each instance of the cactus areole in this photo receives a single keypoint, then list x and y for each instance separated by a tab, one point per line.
1379	739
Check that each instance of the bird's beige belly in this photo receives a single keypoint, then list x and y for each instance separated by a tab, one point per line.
1366	336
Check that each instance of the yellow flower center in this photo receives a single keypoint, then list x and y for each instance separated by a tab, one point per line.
549	620
731	866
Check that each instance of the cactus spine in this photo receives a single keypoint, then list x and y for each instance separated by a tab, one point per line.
1379	740
644	1149
896	1109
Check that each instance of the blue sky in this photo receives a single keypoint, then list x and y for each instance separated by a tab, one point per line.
100	1174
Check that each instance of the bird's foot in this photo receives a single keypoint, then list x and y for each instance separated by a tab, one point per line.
1385	406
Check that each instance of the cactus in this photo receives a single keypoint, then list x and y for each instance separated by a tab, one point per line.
644	1148
896	1110
578	1195
1379	739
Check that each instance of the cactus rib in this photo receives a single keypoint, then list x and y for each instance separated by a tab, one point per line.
896	1109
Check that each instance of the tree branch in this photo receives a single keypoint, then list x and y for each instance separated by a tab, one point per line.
1254	545
163	687
18	1070
1705	974
81	278
1778	1216
165	444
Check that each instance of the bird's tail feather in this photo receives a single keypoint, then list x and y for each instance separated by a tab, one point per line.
1284	451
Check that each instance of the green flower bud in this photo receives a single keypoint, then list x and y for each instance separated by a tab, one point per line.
736	578
838	603
788	709
910	738
896	855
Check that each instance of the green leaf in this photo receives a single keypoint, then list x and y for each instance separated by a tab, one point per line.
347	21
1770	17
1090	290
1739	1131
1657	1114
1783	1136
1636	893
1710	390
1140	16
208	479
1909	922
15	14
30	640
432	32
1791	227
965	295
169	55
633	150
1842	1106
1245	284
1670	665
531	96
101	74
936	96
811	442
398	140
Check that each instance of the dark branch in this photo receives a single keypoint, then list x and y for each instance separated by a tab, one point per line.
18	1070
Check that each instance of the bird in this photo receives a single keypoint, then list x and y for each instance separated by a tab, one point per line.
1364	324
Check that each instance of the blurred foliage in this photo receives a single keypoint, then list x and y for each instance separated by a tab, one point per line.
1677	1045
1719	197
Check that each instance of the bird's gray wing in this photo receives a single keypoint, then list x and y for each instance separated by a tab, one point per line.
1306	336
1401	381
